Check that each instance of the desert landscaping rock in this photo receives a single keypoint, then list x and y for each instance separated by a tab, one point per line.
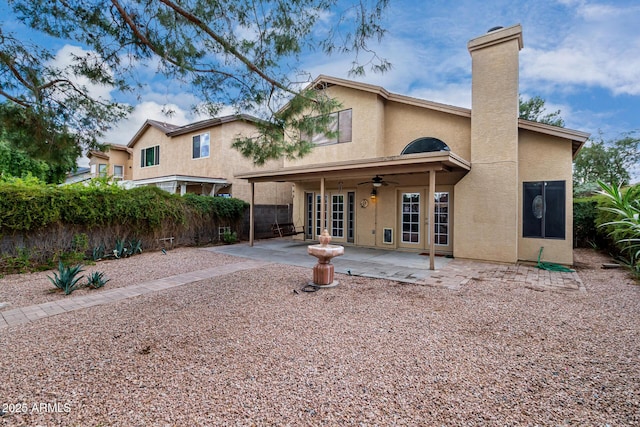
243	349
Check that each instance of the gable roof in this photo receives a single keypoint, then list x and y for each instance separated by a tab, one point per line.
109	147
324	81
161	126
175	130
217	121
577	138
99	154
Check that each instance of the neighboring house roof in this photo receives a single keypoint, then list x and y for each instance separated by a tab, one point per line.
120	147
81	174
104	155
578	138
181	178
98	154
174	130
204	124
163	127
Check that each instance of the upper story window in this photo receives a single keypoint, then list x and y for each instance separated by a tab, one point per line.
201	146
118	171
150	156
102	169
339	129
543	210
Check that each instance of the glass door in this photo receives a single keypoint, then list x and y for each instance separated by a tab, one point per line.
441	219
337	216
410	220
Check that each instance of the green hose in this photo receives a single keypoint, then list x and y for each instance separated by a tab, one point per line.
551	266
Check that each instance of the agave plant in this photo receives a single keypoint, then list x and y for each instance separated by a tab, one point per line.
135	246
98	253
66	279
96	280
120	251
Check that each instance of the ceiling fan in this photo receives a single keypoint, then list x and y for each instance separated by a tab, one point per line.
377	181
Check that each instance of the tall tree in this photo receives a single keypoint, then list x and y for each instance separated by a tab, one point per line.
233	52
534	109
48	113
612	161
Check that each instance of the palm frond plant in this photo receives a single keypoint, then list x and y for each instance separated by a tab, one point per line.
625	228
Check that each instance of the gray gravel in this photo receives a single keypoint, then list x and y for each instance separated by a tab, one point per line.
244	349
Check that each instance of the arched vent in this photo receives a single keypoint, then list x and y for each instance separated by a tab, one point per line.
425	145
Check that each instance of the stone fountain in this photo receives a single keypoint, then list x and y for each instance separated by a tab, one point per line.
323	270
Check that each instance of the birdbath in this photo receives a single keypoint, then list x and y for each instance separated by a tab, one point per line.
323	270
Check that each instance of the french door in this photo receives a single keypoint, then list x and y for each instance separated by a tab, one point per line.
413	220
339	215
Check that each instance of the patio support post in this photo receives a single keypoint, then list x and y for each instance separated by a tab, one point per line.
431	200
251	225
323	212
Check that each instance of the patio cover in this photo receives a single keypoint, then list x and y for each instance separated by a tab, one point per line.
441	161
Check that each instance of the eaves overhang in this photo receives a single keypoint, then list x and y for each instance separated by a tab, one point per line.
180	178
577	138
409	163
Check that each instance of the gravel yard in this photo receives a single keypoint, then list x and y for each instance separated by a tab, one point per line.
245	349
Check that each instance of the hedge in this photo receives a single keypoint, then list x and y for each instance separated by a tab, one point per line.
42	222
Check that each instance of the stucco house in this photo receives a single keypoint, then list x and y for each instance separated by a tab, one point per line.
114	161
196	158
410	174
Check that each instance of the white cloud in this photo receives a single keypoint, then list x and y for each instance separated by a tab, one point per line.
147	110
64	59
602	50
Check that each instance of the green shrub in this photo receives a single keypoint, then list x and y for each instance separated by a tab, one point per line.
585	212
217	207
96	280
18	264
66	279
31	207
229	237
79	222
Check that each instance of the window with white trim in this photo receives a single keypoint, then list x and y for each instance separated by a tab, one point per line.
102	169
118	171
150	156
200	146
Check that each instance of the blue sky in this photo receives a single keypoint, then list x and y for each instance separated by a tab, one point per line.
581	56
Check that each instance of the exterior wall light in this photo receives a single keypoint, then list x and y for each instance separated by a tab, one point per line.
374	193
